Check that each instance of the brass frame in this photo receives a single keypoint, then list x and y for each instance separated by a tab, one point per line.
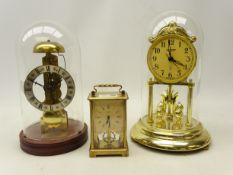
190	139
93	96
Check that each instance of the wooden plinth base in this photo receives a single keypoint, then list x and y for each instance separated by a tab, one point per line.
48	147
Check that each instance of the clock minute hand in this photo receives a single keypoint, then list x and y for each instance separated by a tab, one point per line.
108	121
35	82
175	61
39	84
178	62
169	48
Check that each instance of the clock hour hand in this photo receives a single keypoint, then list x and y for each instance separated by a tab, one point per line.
171	59
179	63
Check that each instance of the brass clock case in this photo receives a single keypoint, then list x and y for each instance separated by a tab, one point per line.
108	121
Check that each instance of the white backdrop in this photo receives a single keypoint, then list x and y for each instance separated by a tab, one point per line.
111	34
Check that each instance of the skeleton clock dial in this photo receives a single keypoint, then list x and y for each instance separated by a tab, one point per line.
56	75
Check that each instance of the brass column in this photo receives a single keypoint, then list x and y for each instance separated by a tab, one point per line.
189	104
150	102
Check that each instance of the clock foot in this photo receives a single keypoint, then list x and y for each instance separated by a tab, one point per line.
109	152
42	146
185	140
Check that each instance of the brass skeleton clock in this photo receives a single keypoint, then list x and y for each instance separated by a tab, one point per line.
50	85
54	115
108	121
167	126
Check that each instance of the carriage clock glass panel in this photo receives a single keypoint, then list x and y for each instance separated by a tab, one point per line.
108	121
51	94
170	119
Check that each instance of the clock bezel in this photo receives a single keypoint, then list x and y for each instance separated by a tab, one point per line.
158	40
36	72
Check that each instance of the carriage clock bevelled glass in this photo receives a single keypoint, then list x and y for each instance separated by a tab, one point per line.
108	121
51	92
173	59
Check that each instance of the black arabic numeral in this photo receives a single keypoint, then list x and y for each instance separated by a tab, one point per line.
179	72
157	50
156	66
162	72
162	44
169	75
154	58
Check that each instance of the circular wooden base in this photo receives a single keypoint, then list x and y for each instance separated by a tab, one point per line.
48	147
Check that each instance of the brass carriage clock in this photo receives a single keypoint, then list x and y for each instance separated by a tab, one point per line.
169	124
108	121
49	101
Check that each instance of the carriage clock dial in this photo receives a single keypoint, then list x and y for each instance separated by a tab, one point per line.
109	124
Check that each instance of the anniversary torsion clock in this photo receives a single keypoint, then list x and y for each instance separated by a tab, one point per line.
50	90
170	125
108	121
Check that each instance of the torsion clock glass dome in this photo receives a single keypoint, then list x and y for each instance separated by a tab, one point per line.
171	78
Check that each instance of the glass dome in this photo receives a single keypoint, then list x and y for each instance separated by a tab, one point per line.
170	85
49	63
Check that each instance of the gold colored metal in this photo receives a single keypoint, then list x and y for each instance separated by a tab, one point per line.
107	86
172	28
189	139
108	121
54	116
171	59
48	47
169	131
189	105
169	113
55	120
150	102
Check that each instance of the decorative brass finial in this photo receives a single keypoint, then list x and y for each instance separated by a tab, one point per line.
173	28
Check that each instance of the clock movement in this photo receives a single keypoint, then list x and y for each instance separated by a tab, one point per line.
173	60
108	121
49	64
